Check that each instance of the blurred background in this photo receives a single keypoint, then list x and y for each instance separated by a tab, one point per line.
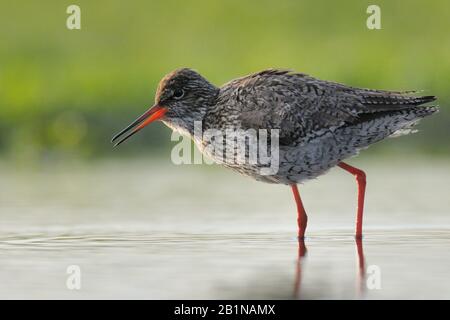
63	93
133	220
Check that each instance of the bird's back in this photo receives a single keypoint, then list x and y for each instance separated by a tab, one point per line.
300	105
317	120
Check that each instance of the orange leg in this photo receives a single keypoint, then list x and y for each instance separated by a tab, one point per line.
302	218
361	180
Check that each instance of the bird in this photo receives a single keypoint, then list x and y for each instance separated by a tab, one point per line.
319	123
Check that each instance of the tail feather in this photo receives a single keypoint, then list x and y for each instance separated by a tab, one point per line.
388	102
375	127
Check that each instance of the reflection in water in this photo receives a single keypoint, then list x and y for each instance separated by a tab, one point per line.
298	272
360	260
144	263
361	283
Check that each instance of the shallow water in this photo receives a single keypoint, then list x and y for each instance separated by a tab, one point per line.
145	229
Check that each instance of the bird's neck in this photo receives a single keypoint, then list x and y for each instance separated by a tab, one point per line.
184	126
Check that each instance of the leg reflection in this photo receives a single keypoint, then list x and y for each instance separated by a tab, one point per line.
361	282
298	271
361	273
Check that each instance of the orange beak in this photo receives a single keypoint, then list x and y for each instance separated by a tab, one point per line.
154	113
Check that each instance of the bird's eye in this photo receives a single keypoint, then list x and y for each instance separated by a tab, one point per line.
178	93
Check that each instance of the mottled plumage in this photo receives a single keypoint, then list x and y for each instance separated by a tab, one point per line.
320	123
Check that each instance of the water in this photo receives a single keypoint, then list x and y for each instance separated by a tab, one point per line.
151	230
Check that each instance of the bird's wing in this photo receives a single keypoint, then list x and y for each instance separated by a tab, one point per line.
301	105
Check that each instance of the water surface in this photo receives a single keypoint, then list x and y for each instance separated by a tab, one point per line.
146	229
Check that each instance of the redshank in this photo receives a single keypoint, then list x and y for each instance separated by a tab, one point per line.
319	123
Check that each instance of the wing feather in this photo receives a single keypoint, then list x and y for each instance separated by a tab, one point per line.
301	105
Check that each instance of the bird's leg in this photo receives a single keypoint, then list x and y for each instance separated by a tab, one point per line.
361	180
302	218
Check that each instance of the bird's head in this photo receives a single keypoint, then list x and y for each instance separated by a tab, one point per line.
183	96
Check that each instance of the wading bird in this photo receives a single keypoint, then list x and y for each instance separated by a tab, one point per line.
320	123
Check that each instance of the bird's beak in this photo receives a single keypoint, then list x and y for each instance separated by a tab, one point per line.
154	113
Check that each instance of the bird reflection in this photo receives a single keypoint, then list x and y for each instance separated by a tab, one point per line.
360	272
361	267
301	253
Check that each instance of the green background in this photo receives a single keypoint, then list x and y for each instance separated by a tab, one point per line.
64	93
